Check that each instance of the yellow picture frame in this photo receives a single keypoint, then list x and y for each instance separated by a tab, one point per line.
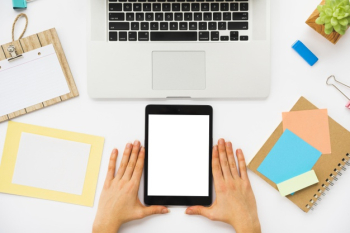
7	166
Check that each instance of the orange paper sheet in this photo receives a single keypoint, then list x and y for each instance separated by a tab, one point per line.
311	125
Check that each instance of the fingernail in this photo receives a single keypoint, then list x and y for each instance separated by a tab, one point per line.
228	143
165	211
114	151
142	149
239	151
136	143
128	145
189	211
221	141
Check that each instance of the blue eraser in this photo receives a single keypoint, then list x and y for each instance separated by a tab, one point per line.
19	4
305	53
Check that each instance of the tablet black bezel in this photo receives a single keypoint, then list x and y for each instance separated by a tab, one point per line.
179	110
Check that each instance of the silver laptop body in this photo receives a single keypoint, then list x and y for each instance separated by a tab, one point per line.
178	48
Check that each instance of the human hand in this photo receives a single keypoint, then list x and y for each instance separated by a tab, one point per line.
235	202
119	202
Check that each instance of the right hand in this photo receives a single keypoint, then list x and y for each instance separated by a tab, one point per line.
235	202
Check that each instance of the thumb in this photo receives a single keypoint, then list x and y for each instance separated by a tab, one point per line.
155	210
198	210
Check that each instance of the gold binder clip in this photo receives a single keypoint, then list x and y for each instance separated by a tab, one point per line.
12	50
336	81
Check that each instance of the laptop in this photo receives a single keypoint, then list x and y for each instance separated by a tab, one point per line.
178	48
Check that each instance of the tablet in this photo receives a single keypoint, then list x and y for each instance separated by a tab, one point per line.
178	144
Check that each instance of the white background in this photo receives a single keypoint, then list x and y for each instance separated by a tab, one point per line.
246	123
178	156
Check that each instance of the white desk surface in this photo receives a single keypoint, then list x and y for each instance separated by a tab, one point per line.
247	124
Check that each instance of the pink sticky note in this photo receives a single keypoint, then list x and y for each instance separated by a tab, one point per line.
348	105
310	125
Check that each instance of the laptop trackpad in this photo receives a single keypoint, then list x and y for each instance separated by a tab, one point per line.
178	70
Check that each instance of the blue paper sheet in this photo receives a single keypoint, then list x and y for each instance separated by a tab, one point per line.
291	156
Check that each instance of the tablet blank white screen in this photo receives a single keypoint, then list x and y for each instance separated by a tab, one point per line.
178	155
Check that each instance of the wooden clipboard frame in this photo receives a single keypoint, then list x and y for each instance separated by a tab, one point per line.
34	42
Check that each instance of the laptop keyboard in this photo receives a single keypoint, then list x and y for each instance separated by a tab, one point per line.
178	20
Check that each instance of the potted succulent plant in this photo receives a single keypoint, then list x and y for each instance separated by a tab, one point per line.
331	19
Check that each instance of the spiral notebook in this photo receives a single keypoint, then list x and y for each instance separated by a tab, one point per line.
326	168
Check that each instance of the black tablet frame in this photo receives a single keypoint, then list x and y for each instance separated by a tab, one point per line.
179	110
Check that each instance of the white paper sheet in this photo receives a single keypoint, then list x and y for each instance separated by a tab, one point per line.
51	163
31	80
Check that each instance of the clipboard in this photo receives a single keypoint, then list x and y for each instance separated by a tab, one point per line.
33	42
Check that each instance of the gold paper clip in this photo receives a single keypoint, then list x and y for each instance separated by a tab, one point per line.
12	50
331	84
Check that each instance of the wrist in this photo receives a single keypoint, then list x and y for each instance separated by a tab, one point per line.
105	228
250	228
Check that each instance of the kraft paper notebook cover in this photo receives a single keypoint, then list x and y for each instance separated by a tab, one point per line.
324	167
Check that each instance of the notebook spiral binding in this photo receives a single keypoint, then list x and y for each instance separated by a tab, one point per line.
329	182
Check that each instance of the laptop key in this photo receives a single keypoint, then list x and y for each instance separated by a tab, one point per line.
198	16
226	16
154	26
129	16
147	7
214	35
234	6
183	26
202	25
132	36
127	7
237	25
212	26
163	26
119	26
115	7
216	16
234	36
186	7
157	6
143	36
113	36
173	36
205	6
195	6
192	26
166	7
175	7
178	16
116	16
224	6
207	16
203	36
240	16
214	6
244	6
135	26
123	36
244	38
173	26
140	16
168	16
159	16
222	25
137	7
149	16
144	26
188	16
224	38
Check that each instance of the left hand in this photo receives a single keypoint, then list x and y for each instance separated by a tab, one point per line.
119	202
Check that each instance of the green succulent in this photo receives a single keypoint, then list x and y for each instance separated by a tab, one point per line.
335	15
